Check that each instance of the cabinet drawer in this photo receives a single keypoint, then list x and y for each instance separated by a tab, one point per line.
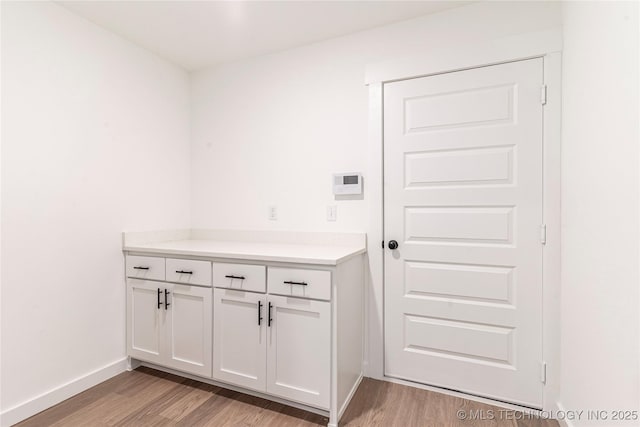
189	271
240	276
145	267
299	283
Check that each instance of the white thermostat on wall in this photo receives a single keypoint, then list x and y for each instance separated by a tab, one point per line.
347	183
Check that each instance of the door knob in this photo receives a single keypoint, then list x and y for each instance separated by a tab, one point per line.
393	244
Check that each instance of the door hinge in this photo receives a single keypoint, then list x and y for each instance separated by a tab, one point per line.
543	234
543	95
543	372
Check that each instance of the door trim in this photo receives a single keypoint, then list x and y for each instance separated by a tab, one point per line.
446	59
546	45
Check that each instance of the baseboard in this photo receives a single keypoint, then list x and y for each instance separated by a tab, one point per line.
346	402
560	409
50	398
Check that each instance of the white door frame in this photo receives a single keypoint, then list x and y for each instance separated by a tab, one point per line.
545	44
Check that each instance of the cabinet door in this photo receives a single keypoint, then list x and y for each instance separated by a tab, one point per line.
188	329
144	318
299	350
239	342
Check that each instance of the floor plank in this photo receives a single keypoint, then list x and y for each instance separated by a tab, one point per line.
149	398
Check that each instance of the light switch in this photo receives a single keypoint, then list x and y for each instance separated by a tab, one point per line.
332	212
273	213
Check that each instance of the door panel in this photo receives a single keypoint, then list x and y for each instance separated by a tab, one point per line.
239	341
479	166
463	197
459	281
459	224
465	106
188	328
464	339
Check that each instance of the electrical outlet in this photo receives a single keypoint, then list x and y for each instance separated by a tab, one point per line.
332	212
273	213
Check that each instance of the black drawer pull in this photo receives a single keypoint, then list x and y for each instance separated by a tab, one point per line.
289	282
235	277
269	319
259	312
166	299
140	268
184	272
159	303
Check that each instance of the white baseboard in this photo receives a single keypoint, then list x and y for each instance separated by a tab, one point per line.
352	392
50	398
563	422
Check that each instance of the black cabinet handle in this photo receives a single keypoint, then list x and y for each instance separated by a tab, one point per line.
393	244
184	272
289	282
259	312
159	303
140	268
269	319
166	299
235	277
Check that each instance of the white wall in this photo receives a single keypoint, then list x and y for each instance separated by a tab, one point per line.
95	140
309	105
95	136
600	211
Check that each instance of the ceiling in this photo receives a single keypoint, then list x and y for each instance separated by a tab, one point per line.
197	34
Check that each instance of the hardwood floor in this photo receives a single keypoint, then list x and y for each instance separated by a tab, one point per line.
146	397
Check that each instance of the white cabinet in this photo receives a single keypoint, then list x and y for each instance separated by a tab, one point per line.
188	328
299	350
273	344
145	267
170	324
144	320
302	283
287	330
239	338
240	276
188	271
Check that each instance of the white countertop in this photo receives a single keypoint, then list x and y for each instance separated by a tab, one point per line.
324	254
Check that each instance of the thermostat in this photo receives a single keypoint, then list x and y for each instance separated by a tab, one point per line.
347	183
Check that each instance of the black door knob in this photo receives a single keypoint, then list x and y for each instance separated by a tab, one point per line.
393	244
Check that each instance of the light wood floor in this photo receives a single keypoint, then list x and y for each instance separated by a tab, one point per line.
146	397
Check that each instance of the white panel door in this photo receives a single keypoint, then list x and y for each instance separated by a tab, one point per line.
463	199
299	350
239	341
144	324
188	330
